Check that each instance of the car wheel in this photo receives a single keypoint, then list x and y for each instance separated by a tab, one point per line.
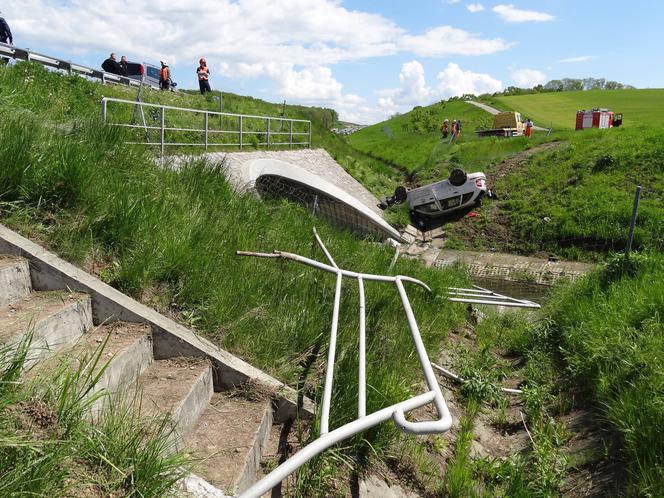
458	177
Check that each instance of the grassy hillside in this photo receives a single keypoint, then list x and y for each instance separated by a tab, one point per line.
169	239
639	107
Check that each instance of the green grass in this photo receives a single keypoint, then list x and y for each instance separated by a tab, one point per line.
49	445
170	238
639	107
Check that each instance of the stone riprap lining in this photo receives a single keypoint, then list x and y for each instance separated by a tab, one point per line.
512	267
315	161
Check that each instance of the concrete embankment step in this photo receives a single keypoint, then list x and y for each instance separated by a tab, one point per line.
122	350
228	442
55	319
180	388
14	279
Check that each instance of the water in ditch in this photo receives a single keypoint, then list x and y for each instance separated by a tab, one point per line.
518	290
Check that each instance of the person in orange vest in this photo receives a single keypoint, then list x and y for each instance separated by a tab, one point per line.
203	73
164	76
445	128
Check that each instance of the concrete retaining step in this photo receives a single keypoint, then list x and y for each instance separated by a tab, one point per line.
55	318
229	439
14	279
127	352
180	388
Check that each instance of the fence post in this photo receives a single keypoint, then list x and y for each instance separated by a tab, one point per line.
240	132
310	134
632	222
267	140
207	118
163	121
290	134
104	109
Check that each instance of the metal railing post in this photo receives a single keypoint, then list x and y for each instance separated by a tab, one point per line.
290	134
207	118
362	383
267	141
104	109
309	134
163	121
632	222
241	144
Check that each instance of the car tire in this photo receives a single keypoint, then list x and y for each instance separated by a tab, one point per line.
458	177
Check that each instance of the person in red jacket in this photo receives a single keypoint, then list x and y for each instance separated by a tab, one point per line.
203	73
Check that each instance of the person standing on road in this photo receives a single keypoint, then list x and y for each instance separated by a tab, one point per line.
111	65
203	73
5	32
164	76
123	66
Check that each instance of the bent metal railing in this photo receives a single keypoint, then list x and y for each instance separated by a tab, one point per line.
476	295
364	421
25	54
265	132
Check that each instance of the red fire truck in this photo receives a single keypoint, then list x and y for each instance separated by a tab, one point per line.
597	118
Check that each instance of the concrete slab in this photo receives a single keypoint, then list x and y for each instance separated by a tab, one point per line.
375	487
14	279
180	388
55	320
49	272
513	267
229	440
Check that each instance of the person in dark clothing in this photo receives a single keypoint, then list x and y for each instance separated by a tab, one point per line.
203	73
123	66
111	65
5	32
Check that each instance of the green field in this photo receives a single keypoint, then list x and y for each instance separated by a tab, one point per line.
640	107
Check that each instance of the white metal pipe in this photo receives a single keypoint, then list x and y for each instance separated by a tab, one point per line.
324	249
362	384
445	421
330	439
329	376
511	304
458	378
331	269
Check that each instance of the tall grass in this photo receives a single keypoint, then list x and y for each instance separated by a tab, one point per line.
50	446
170	238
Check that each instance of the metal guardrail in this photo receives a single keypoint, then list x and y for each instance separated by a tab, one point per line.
269	132
25	54
364	421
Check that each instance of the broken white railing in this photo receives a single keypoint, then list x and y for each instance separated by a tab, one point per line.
364	421
480	295
397	411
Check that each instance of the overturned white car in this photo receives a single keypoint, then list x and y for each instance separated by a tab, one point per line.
457	192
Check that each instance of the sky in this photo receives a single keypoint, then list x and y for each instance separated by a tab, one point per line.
366	59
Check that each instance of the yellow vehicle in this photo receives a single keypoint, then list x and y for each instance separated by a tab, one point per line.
505	124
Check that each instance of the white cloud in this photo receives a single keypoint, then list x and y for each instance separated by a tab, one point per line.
511	14
581	58
475	7
446	40
528	78
454	81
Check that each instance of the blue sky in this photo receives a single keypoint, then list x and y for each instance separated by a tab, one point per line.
366	59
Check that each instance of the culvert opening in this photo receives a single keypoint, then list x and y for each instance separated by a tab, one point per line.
319	203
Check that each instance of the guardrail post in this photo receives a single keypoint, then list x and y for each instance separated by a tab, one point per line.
632	222
163	121
240	132
290	134
267	139
206	130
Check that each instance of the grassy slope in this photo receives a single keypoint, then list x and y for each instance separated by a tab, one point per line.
170	238
640	107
